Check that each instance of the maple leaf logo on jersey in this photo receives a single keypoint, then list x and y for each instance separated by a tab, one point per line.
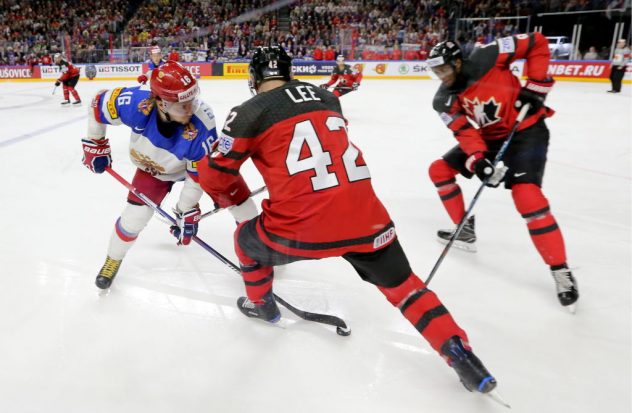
483	113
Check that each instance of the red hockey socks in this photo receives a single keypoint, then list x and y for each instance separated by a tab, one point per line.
257	278
545	233
74	93
423	309
442	175
66	93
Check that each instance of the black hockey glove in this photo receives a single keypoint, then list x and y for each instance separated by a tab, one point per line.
57	83
534	93
483	168
355	86
324	86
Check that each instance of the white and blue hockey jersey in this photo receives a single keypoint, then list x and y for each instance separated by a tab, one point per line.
168	158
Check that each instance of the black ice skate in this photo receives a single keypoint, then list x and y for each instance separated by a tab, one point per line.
466	240
76	103
566	287
266	311
470	369
107	273
65	104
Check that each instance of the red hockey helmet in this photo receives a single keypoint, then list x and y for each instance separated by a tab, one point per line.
172	82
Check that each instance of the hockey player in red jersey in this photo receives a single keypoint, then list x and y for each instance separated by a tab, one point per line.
296	136
348	78
479	100
69	78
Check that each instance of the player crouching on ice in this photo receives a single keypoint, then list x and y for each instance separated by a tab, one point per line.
69	78
171	130
296	135
348	79
482	90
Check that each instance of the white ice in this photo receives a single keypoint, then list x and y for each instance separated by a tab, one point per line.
168	337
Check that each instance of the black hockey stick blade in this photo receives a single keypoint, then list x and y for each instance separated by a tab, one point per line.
341	326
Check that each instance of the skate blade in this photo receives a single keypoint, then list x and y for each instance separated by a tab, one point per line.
464	246
496	397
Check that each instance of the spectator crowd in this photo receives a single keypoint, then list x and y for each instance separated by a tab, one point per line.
31	31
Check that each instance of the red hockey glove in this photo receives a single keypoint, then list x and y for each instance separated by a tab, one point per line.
96	154
534	92
142	79
186	224
483	168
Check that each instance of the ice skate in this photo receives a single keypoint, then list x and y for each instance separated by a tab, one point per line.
65	103
107	273
566	288
76	103
266	310
470	369
466	240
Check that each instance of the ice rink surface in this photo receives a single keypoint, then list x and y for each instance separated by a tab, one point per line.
168	337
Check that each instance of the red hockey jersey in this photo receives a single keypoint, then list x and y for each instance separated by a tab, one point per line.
345	77
480	105
321	202
67	70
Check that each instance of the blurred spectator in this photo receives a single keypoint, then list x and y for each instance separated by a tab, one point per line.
591	54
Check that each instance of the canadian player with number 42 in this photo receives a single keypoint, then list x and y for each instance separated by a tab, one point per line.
321	205
171	131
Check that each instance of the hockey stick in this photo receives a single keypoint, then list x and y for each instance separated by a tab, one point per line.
341	326
54	89
216	210
498	158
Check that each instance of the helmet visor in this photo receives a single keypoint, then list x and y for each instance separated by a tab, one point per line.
183	109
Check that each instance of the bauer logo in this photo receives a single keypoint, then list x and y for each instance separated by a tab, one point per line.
384	238
225	144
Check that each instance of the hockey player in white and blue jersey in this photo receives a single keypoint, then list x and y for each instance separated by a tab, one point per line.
171	130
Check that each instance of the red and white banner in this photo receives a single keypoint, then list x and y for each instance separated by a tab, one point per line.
196	69
15	72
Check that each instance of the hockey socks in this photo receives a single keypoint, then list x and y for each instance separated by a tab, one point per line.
543	229
257	278
423	309
442	176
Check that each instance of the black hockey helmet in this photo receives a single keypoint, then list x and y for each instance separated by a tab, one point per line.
444	53
269	63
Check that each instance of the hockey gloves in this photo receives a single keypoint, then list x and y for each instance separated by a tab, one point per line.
534	92
57	83
355	86
324	86
483	168
186	224
142	79
96	154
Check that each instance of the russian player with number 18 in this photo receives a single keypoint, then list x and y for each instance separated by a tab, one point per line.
479	101
171	131
296	135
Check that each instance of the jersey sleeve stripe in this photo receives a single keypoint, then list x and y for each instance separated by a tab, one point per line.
236	155
216	166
